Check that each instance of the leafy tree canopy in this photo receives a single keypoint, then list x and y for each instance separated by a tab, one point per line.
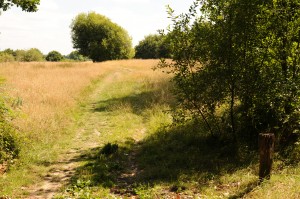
236	65
26	5
98	38
54	56
33	54
75	55
152	47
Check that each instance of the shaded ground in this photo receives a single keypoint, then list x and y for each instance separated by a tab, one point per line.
171	162
183	163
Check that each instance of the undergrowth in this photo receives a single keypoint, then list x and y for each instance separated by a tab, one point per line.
9	147
142	155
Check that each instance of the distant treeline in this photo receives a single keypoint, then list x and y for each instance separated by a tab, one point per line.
35	55
153	46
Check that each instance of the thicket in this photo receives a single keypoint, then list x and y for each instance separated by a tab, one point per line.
236	66
8	141
30	55
6	57
98	38
76	56
153	47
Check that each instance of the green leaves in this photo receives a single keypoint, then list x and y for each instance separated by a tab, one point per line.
95	36
26	5
54	56
153	47
242	56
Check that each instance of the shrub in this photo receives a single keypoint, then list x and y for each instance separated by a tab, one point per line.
8	145
75	55
33	54
54	56
20	55
153	47
6	57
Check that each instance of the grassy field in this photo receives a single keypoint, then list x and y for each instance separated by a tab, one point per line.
116	115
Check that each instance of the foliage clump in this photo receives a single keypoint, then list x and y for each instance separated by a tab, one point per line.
31	55
26	5
76	56
6	57
236	66
98	38
153	47
9	148
109	149
54	56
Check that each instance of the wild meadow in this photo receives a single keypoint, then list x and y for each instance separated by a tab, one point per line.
117	116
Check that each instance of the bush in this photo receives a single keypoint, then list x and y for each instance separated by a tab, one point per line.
20	55
6	57
30	55
75	55
54	56
153	47
8	145
33	54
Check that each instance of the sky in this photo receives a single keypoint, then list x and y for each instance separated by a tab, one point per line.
49	28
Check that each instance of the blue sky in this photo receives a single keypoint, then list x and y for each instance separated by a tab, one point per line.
49	28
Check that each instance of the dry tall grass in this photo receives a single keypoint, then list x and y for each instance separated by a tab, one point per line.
44	91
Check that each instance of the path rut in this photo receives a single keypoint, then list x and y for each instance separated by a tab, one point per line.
60	172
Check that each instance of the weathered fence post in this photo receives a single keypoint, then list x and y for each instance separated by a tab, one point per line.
266	149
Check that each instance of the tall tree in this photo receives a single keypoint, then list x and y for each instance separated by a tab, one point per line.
242	56
98	38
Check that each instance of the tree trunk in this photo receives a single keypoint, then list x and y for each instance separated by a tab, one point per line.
266	149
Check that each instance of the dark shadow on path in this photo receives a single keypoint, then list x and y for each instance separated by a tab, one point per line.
169	156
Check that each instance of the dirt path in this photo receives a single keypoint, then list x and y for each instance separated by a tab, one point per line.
86	138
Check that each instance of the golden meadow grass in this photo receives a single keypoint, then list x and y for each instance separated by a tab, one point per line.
43	95
44	91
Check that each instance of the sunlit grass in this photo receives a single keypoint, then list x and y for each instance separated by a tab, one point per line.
45	97
124	103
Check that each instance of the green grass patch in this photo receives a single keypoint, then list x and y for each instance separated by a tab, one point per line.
154	159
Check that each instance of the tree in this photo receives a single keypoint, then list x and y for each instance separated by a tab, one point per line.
54	56
30	55
20	55
33	54
96	37
152	47
75	55
9	51
6	57
26	5
237	65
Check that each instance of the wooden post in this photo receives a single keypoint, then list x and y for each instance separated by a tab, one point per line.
266	149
